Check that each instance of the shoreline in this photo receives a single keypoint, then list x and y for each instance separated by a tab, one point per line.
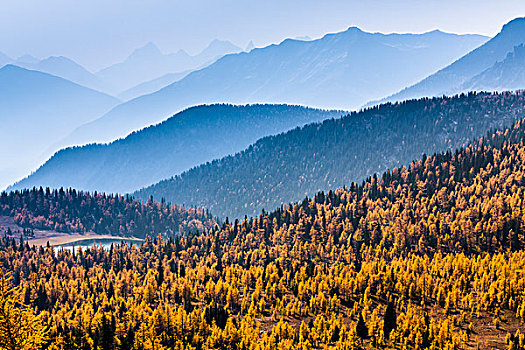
62	239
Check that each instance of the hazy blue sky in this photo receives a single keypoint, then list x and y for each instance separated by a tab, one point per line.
99	32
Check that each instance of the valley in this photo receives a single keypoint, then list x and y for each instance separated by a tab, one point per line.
285	168
431	254
169	190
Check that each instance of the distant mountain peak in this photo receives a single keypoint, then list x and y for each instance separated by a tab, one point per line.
517	24
465	73
339	70
13	68
27	59
148	63
219	44
436	31
149	49
57	59
354	29
219	48
250	46
9	67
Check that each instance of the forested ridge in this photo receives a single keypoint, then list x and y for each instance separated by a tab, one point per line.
428	256
319	157
188	138
78	211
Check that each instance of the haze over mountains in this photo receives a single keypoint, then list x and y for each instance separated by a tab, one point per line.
463	74
338	68
35	110
245	198
250	46
49	106
59	66
151	86
145	64
318	157
194	136
508	74
148	63
26	59
340	71
66	68
4	59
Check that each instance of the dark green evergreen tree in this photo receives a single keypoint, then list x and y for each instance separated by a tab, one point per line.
390	319
107	334
361	329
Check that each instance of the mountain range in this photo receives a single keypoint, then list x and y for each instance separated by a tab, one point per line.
151	86
378	265
468	71
194	136
269	226
288	167
298	61
341	71
148	63
65	68
35	110
145	65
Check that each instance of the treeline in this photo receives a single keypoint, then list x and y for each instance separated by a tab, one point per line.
76	211
319	157
428	256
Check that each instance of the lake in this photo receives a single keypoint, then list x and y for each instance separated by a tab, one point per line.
103	242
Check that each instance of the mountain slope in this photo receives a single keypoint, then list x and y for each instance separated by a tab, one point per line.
215	50
148	63
66	68
287	167
37	109
194	136
151	86
429	256
508	74
450	79
81	212
341	70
